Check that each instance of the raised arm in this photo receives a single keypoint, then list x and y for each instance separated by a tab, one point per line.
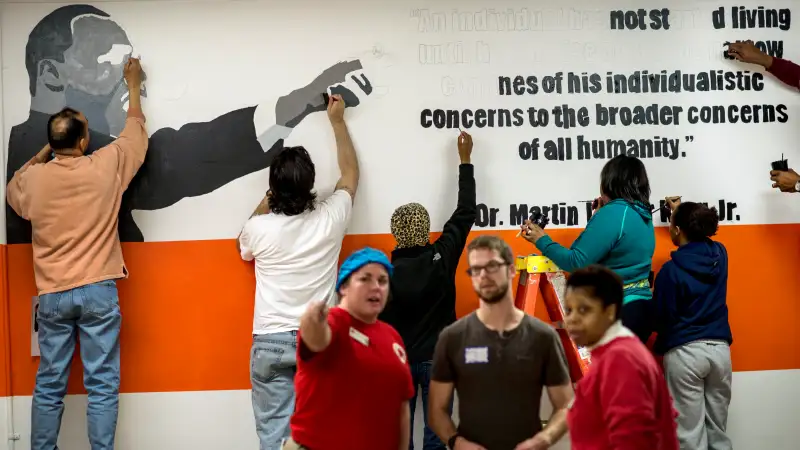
596	241
451	242
132	144
784	70
345	151
274	124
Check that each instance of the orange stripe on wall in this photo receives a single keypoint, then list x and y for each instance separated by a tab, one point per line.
187	307
5	347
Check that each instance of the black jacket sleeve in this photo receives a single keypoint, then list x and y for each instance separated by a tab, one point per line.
197	159
451	243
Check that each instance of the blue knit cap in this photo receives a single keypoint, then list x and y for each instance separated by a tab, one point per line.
359	259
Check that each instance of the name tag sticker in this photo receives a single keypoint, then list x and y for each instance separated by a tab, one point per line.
359	336
474	355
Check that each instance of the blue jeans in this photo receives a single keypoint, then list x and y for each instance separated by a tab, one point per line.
90	313
421	376
273	364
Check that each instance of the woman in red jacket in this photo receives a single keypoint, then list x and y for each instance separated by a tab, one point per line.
622	403
353	382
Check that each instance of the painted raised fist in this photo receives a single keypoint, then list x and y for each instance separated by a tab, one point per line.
344	79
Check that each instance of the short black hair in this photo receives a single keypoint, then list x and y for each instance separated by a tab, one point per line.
489	242
51	37
625	177
291	182
65	130
602	284
697	221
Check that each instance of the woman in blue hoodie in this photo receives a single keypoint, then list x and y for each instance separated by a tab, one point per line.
619	235
693	330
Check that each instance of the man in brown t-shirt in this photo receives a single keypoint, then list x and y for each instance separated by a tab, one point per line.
498	359
72	201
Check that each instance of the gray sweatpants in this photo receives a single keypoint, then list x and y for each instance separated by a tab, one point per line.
699	377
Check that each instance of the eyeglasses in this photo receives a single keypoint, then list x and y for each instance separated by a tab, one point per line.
490	267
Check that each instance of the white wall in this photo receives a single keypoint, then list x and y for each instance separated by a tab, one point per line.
5	425
207	58
275	48
5	402
759	418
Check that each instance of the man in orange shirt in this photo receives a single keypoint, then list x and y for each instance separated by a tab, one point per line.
72	201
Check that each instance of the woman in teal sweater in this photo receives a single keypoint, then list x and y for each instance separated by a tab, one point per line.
619	235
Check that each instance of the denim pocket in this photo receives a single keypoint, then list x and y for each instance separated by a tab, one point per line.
100	299
263	362
48	305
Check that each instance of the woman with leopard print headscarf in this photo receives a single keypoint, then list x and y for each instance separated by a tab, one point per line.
423	292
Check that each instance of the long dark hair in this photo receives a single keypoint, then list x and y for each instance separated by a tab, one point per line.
291	182
625	177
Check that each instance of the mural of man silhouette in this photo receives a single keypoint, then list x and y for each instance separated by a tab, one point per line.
75	57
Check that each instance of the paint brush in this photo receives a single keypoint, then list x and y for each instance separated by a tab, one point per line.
667	206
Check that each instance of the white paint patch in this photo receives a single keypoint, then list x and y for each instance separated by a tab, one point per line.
763	414
116	54
5	423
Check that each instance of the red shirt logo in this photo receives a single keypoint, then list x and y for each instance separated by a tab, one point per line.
398	350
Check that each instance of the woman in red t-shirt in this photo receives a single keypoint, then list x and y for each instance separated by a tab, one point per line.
353	382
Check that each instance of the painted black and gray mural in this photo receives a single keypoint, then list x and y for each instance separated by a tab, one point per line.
75	57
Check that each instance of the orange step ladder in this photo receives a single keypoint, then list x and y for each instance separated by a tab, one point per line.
540	277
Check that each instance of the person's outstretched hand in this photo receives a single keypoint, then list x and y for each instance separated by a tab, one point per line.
316	314
748	52
538	442
133	73
465	147
673	202
336	109
531	232
785	180
464	444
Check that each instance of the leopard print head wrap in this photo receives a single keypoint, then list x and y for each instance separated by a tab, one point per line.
411	225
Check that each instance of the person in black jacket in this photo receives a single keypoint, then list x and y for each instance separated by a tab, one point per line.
422	298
